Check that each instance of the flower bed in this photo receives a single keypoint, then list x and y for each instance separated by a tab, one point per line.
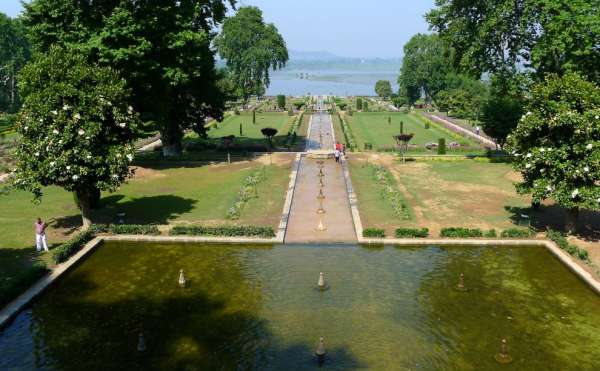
247	192
390	192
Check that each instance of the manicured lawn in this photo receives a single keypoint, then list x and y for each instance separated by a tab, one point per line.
441	194
251	134
373	127
168	195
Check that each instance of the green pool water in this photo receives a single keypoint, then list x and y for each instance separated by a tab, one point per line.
258	308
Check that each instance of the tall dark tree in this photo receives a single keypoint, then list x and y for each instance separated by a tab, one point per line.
251	48
161	48
547	36
14	53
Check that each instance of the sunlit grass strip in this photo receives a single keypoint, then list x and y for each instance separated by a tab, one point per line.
390	192
247	192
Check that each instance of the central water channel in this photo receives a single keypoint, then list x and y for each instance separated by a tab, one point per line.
250	307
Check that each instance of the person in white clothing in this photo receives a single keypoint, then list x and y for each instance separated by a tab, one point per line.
40	235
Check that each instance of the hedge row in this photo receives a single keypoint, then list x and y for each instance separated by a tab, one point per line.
459	232
126	229
373	232
389	191
562	242
224	230
64	251
412	232
348	136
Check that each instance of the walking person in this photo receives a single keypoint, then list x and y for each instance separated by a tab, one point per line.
477	129
337	155
40	235
338	146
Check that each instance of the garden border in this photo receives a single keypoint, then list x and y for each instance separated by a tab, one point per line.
285	215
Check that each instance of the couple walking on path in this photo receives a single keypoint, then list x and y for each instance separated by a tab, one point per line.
340	150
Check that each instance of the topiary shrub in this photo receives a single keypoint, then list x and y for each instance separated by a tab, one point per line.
412	232
373	232
441	149
459	232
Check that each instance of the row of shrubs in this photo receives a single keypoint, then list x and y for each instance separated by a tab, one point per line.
348	136
562	242
225	230
247	192
145	229
452	232
292	135
390	191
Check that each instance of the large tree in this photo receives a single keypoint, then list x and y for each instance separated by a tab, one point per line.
383	88
251	48
424	67
14	53
557	144
161	48
76	127
554	36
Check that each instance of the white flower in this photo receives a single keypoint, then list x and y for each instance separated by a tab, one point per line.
88	157
88	137
37	153
60	141
598	200
122	124
66	107
130	157
589	146
115	176
549	149
25	128
68	167
75	177
52	163
54	112
118	155
80	132
597	117
577	171
54	131
41	121
542	170
542	149
548	188
527	166
586	169
575	193
129	109
77	116
528	113
529	155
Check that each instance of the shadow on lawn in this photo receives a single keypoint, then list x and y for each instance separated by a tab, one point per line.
144	210
554	216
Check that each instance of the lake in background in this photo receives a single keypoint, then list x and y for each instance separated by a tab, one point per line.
323	74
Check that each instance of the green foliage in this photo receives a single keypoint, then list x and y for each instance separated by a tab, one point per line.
14	54
359	104
373	232
490	234
244	38
365	106
348	135
517	233
225	230
556	145
73	245
281	101
562	242
549	36
412	232
76	126
247	192
383	88
144	229
12	287
390	192
441	149
462	96
162	51
459	232
254	116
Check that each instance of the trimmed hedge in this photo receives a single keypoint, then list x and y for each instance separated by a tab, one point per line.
374	232
64	251
517	233
412	232
126	229
562	242
490	234
459	232
14	286
224	230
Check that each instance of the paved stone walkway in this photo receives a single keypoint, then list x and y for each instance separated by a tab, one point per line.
303	214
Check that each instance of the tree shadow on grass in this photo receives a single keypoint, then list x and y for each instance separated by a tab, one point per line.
553	217
144	210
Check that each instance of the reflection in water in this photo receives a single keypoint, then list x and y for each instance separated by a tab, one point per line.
257	308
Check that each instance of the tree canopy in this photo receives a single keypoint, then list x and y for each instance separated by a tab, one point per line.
161	49
76	127
383	88
251	48
14	53
556	144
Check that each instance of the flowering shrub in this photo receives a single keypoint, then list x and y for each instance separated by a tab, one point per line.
390	192
247	192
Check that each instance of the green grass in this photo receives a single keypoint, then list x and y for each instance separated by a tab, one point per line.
161	196
373	127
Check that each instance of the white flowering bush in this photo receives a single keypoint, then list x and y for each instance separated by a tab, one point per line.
556	145
76	125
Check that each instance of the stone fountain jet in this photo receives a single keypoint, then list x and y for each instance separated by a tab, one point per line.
320	352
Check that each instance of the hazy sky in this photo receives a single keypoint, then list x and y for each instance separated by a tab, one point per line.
377	28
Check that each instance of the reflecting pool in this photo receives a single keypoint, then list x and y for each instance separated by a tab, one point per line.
259	308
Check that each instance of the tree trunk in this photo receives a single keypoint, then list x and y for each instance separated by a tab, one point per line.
571	222
84	202
171	140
